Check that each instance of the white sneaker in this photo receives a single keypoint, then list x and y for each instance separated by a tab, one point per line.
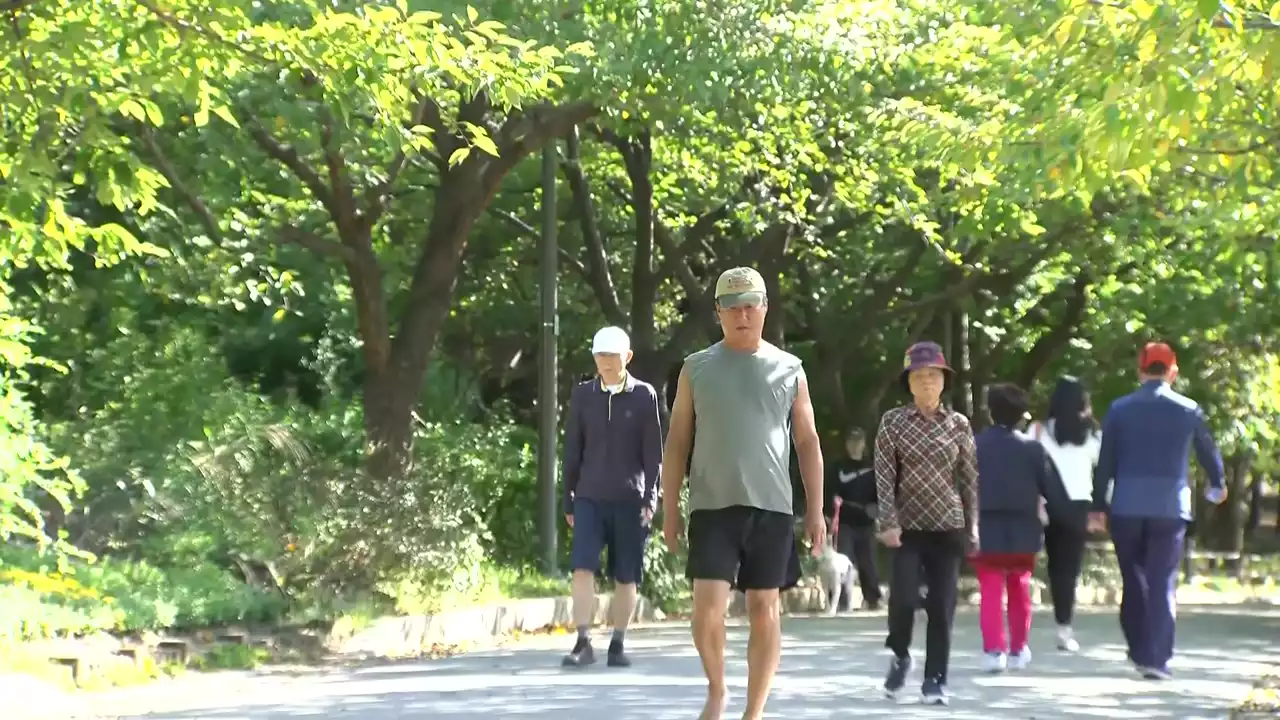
1020	659
1067	639
994	662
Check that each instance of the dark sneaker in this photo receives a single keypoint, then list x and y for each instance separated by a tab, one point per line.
581	656
871	605
933	692
616	657
896	678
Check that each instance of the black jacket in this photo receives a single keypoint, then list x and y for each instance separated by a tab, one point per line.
854	482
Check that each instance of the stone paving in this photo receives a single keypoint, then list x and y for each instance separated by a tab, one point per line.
831	667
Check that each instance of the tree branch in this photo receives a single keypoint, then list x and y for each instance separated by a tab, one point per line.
376	197
347	215
598	275
1048	344
288	156
532	232
179	186
464	193
187	26
441	137
318	244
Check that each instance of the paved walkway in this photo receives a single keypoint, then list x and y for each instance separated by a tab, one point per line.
830	667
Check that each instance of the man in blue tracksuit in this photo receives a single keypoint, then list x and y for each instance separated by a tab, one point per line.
1147	437
612	462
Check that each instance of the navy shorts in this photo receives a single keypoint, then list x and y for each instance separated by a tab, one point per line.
613	525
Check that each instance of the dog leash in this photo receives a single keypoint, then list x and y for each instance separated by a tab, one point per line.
835	523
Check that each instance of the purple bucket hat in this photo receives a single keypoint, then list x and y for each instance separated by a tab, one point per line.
924	354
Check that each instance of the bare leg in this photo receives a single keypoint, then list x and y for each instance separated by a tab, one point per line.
624	605
763	649
584	599
710	598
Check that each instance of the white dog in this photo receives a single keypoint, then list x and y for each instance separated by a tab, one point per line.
835	570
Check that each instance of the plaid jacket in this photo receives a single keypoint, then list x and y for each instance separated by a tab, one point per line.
926	471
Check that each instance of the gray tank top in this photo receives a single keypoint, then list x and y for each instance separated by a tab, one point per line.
742	427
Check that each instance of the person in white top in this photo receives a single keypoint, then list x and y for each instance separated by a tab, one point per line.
1070	434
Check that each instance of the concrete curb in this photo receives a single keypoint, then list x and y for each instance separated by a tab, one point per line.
810	598
392	636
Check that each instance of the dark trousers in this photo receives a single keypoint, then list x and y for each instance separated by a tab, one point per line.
1064	544
858	543
936	556
1148	551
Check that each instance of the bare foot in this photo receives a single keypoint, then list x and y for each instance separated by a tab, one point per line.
716	702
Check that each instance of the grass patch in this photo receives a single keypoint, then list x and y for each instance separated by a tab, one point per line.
41	597
231	657
487	584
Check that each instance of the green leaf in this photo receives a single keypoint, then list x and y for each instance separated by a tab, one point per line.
1208	9
483	142
131	108
1275	12
472	14
1065	27
1030	227
153	114
458	156
222	112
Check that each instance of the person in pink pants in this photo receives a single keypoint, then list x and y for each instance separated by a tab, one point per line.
1014	475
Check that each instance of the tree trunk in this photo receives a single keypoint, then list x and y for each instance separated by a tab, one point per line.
962	390
1237	507
388	427
1050	344
1256	498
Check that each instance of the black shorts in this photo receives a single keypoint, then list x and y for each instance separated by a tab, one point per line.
749	548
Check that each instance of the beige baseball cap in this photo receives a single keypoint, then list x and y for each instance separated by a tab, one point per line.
735	282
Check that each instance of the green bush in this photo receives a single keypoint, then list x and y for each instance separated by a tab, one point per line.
39	600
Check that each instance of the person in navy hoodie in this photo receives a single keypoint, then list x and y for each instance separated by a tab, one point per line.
1147	438
1014	474
612	462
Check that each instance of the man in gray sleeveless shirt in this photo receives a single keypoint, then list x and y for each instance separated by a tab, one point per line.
745	401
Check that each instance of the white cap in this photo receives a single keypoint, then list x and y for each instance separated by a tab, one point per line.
611	341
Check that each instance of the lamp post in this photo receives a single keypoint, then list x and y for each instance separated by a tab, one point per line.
548	397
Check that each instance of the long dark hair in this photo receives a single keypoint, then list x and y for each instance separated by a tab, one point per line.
1070	412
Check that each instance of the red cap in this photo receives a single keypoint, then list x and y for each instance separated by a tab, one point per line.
1157	352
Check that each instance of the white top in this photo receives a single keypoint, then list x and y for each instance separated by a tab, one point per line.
1075	463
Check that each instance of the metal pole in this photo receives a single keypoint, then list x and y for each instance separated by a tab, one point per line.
548	397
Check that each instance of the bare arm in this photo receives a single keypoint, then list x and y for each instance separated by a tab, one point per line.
808	448
886	478
675	456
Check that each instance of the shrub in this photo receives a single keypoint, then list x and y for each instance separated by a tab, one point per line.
37	600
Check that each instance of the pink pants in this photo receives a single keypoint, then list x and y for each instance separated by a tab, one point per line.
993	581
